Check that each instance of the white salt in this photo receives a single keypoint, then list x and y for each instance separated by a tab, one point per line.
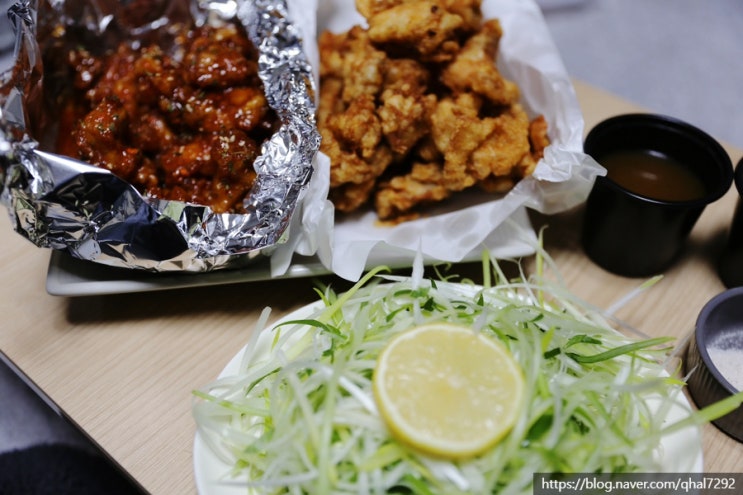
729	362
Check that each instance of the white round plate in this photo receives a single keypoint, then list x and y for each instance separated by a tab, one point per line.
680	451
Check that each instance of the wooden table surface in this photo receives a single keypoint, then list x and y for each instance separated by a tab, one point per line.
124	366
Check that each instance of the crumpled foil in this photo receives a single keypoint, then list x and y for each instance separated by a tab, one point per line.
61	203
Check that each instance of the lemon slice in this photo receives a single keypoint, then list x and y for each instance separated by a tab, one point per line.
448	390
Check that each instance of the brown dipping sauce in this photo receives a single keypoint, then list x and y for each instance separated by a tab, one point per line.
653	175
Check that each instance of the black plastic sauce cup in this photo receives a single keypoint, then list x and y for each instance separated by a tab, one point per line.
634	235
731	262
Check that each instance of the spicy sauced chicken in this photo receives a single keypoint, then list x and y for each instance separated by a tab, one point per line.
184	126
413	108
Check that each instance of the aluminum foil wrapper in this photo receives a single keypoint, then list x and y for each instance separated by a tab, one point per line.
61	203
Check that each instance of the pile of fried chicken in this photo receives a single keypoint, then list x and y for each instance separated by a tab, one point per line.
183	126
414	109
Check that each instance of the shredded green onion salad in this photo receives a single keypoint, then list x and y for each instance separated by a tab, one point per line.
299	416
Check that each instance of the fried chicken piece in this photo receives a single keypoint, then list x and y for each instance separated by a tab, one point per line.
352	77
352	178
475	147
352	58
240	107
538	141
426	150
329	45
188	159
150	132
353	142
506	146
468	10
358	128
421	28
497	185
118	82
396	197
330	100
350	129
406	76
405	119
346	166
369	8
457	131
98	139
405	108
350	197
86	68
538	138
224	60
474	68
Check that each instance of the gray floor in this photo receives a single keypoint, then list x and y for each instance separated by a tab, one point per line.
683	58
24	418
